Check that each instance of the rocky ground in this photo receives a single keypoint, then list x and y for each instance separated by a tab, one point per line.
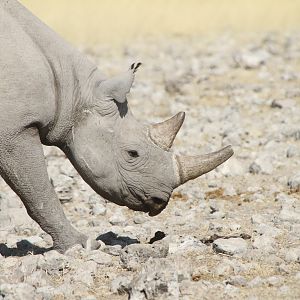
231	234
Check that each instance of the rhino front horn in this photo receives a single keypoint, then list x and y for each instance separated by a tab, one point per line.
191	167
164	133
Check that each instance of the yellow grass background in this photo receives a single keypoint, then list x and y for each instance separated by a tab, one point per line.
90	22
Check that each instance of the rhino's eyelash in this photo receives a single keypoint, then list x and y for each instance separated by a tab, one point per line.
133	153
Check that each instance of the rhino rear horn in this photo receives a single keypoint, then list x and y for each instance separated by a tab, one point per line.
164	133
116	88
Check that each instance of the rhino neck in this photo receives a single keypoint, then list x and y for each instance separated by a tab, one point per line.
71	71
73	87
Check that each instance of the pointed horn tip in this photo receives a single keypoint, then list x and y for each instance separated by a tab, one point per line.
163	134
227	151
181	115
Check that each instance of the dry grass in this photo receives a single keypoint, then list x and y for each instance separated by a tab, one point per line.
90	22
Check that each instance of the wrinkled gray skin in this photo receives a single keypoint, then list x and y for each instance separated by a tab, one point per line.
51	94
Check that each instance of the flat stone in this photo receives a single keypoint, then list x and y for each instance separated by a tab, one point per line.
264	242
237	281
158	279
98	209
117	218
230	246
251	59
85	272
294	182
120	285
293	255
267	230
274	280
100	257
256	282
289	214
133	255
224	269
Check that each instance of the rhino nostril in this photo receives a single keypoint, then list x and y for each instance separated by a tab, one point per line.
157	200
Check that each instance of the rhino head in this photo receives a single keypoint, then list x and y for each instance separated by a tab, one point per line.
128	162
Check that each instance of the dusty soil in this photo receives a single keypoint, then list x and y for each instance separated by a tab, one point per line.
231	234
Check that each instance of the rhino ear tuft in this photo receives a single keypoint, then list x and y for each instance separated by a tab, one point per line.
116	88
135	66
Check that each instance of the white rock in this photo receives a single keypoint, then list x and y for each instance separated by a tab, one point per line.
30	263
289	213
251	59
139	219
191	244
256	282
297	276
264	165
294	182
267	230
293	255
158	277
255	168
9	262
117	218
120	284
230	246
5	220
232	168
38	278
76	251
17	291
98	209
272	259
36	240
67	169
132	256
295	230
237	280
292	151
224	269
234	227
89	297
63	186
100	257
274	280
230	191
54	262
258	219
264	242
85	272
47	292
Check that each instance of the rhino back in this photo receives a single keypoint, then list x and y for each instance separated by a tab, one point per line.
26	82
54	68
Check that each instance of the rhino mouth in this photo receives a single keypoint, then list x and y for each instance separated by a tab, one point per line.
155	205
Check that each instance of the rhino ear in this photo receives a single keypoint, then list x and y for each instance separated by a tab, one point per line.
116	88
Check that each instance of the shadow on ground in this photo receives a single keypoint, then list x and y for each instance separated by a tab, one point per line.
23	248
112	239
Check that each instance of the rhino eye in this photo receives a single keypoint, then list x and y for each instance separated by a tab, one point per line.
133	153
